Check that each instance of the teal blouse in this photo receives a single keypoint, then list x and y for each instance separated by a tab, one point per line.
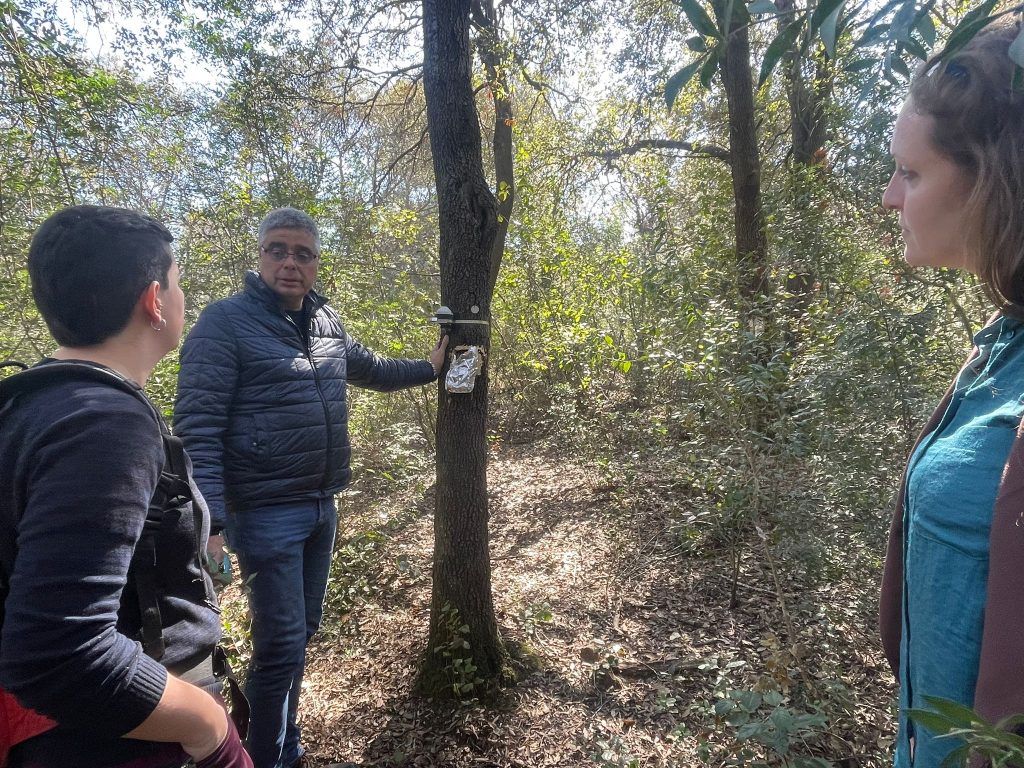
952	482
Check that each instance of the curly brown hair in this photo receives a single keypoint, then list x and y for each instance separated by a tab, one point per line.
976	97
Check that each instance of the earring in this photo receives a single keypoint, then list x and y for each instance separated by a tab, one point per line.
161	326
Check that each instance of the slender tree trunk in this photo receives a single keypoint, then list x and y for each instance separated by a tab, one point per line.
490	50
745	162
752	274
464	647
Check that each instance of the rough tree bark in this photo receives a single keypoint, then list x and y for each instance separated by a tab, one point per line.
465	649
744	157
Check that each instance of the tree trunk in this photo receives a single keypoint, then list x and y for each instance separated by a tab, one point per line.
464	649
752	276
745	162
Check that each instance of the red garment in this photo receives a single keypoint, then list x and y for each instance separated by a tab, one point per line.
230	753
1000	689
18	724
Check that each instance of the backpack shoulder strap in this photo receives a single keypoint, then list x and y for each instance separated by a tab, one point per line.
40	376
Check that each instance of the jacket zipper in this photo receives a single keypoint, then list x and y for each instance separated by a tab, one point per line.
305	342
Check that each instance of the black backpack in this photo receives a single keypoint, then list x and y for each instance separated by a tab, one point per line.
173	490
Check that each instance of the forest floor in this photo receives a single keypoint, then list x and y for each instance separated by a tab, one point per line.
641	660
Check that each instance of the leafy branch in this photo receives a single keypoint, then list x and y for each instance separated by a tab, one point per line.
998	743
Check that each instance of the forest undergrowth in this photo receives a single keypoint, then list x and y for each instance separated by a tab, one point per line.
623	609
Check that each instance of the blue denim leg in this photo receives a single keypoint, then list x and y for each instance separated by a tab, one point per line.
284	552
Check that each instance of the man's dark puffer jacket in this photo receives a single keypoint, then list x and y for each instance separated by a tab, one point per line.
264	417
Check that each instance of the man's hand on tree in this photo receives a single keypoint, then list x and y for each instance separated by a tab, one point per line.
436	357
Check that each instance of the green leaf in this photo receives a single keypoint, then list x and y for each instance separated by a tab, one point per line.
829	31
824	9
887	68
899	30
722	706
930	720
860	65
697	43
915	48
872	35
782	43
783	720
748	701
737	717
699	18
899	66
959	757
968	27
680	79
1017	49
926	29
738	13
710	66
956	713
749	730
759	7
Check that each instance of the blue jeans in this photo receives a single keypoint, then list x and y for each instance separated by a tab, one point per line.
284	554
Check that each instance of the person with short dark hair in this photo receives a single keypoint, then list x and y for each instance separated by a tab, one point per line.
952	608
262	407
88	266
80	463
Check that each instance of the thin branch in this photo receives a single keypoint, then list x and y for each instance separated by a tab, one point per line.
393	166
540	85
692	147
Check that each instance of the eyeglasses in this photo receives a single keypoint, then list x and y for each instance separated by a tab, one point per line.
301	256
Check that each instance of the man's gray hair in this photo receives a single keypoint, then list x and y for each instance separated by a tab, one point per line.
289	218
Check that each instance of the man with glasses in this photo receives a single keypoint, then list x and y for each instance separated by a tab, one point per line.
262	410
